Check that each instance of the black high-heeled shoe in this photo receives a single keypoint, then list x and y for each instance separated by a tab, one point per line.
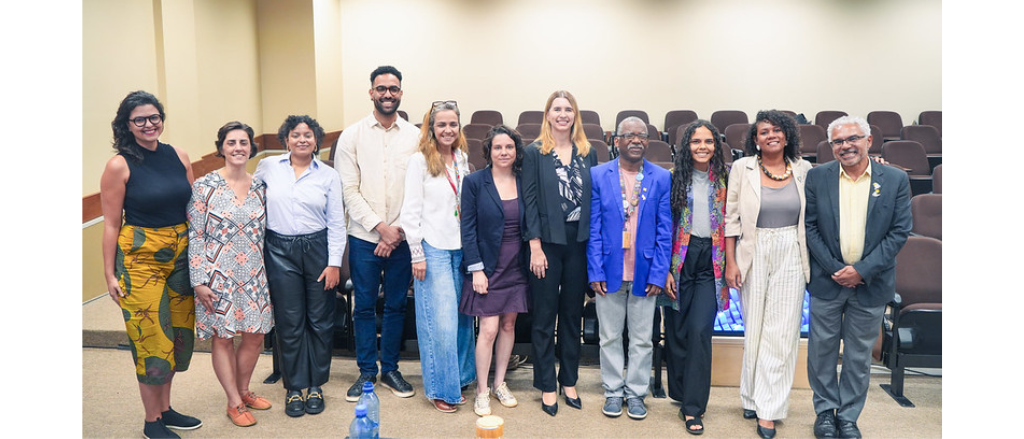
765	432
575	403
549	409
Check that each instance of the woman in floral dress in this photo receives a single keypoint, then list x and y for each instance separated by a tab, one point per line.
227	222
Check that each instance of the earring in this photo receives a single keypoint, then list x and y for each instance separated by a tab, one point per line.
757	146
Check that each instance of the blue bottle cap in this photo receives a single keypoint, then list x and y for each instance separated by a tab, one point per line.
367	387
360	410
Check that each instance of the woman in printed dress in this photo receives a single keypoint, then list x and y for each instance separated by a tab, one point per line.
227	222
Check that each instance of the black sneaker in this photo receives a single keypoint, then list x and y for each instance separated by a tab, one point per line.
394	381
178	421
294	404
356	390
157	429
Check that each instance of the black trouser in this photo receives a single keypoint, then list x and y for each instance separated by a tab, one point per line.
559	295
303	310
688	331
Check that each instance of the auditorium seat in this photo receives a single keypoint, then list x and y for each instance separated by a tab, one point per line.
931	118
659	151
594	132
910	154
603	152
476	153
824	153
675	119
529	132
911	332
929	138
889	121
476	131
590	116
487	117
937	180
627	113
403	115
825	117
736	135
653	133
876	140
810	136
531	116
927	212
723	118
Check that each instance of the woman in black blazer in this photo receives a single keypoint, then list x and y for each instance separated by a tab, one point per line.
556	192
496	289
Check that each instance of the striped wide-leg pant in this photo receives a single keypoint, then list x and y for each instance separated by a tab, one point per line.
771	301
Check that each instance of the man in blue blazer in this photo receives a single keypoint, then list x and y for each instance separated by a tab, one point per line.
627	262
857	219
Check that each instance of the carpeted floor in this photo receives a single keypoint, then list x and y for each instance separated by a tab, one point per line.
111	407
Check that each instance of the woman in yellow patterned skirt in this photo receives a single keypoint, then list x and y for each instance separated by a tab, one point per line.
145	260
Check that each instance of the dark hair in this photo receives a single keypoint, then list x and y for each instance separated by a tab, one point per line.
384	70
293	121
682	175
222	133
517	165
781	120
124	140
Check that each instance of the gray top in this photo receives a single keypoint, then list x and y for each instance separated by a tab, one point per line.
700	185
780	207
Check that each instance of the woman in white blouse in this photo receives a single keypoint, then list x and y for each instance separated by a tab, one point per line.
431	220
302	252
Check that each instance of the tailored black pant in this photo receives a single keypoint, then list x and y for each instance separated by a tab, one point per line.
303	310
688	331
559	297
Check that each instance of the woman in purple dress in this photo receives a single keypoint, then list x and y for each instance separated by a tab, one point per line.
496	289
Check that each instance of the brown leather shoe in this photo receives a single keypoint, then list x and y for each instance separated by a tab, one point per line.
442	406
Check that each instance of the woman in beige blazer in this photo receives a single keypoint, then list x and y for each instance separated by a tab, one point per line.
766	259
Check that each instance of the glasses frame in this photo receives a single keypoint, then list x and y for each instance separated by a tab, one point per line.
642	136
851	140
394	89
154	119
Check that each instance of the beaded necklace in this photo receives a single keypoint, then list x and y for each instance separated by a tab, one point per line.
789	171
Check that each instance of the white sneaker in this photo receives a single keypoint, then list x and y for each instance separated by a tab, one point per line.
505	396
482	404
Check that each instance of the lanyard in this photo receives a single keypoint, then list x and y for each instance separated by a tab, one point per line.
629	205
456	184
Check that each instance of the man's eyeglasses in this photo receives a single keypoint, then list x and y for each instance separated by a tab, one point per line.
840	142
630	136
437	104
381	89
154	119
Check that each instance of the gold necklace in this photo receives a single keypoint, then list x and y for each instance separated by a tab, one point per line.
789	171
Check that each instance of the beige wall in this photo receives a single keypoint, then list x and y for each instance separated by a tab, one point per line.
704	55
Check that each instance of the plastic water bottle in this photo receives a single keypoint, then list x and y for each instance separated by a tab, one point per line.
372	403
361	427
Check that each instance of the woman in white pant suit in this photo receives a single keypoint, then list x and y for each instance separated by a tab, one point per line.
766	259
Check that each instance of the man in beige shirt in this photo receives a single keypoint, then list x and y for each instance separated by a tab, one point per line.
371	159
857	220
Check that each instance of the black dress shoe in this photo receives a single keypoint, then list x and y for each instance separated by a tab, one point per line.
314	400
294	405
848	429
549	409
575	403
749	414
825	425
765	432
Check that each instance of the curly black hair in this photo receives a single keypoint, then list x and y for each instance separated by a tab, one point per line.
781	120
293	121
517	165
683	169
383	70
124	140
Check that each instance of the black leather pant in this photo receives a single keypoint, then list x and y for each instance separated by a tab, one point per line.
303	310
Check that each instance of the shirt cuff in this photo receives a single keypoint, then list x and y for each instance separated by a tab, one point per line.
416	250
479	266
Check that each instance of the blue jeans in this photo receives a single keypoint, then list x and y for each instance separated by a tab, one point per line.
445	336
365	269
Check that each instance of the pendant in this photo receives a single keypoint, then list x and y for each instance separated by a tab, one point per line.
639	176
625	240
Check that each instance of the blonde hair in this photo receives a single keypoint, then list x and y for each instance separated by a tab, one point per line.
578	135
428	143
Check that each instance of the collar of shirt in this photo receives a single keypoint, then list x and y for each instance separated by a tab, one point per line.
843	174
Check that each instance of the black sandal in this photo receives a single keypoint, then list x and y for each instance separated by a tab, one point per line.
695	422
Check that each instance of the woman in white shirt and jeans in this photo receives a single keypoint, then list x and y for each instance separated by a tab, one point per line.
431	220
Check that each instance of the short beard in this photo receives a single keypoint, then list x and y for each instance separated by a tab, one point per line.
380	109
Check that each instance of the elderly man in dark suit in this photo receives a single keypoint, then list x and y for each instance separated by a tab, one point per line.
858	218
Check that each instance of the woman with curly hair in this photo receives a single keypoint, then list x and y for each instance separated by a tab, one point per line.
695	283
303	250
430	216
766	259
145	259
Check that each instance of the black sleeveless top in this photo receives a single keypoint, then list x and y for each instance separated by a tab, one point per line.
157	192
